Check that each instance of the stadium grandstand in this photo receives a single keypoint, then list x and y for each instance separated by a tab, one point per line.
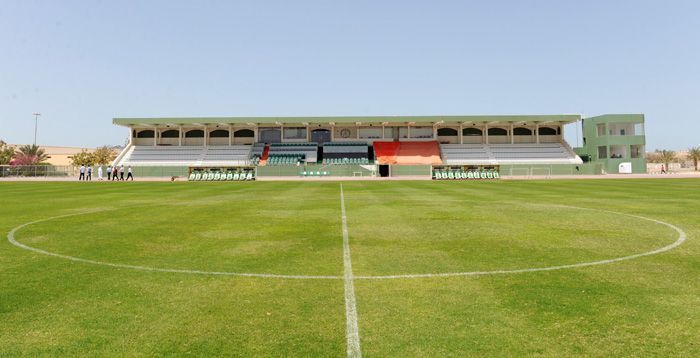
382	146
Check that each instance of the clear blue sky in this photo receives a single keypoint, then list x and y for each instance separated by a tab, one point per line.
80	63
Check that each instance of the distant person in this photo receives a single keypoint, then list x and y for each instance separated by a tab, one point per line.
99	173
129	175
663	169
89	173
109	172
115	170
121	172
82	173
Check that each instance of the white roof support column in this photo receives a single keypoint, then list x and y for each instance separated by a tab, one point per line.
461	136
486	133
512	137
179	137
255	134
206	136
561	131
155	136
332	131
537	133
230	135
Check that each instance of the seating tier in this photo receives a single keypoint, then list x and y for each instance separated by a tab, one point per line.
545	153
187	156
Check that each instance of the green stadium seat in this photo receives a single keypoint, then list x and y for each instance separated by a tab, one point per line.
483	175
198	177
235	176
229	176
249	176
489	175
217	176
496	175
191	177
450	175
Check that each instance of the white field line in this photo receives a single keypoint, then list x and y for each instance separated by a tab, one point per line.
352	329
681	238
11	239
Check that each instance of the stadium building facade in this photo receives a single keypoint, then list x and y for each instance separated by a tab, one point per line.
382	145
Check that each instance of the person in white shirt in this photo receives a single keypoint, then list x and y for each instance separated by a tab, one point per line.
129	175
89	173
99	173
109	172
121	173
82	173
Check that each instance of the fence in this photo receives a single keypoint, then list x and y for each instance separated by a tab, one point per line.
332	170
520	170
37	171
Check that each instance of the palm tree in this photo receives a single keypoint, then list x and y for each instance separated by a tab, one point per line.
694	155
666	157
29	155
6	153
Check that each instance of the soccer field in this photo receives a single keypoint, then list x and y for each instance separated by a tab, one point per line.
392	268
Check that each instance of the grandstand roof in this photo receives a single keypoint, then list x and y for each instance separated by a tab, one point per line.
562	118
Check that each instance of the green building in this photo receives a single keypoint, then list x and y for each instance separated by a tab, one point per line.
616	141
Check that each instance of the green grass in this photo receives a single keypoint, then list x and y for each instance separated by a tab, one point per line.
649	306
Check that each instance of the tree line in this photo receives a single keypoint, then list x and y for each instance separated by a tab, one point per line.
667	157
101	156
31	154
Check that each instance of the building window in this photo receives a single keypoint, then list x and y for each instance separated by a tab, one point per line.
244	133
195	133
145	134
371	132
295	133
602	152
637	151
497	132
421	132
171	133
600	129
618	151
547	131
219	133
472	132
522	131
447	132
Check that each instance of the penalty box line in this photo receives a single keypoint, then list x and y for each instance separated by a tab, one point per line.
352	328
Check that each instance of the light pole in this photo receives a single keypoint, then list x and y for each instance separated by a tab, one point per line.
36	122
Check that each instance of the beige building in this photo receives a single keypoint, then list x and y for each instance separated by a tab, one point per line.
59	155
